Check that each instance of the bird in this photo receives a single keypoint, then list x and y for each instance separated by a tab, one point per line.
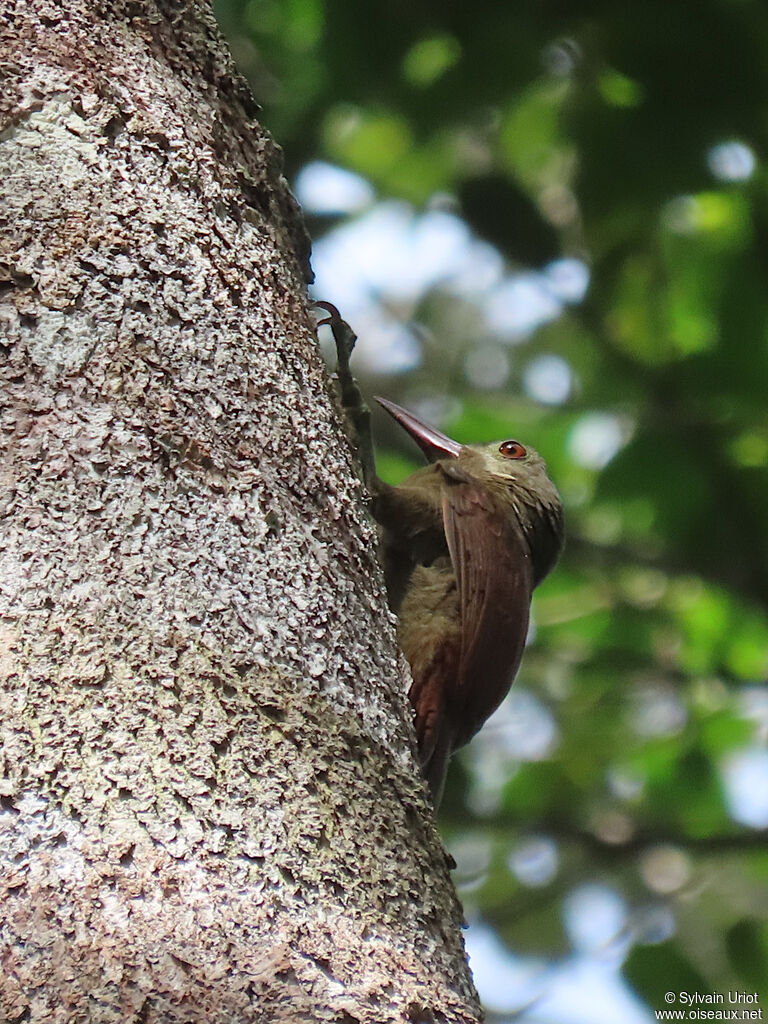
463	543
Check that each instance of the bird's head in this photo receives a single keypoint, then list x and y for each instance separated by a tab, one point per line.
513	472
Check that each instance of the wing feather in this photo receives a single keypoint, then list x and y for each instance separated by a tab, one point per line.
430	635
494	576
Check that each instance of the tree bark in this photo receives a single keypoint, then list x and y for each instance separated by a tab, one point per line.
210	808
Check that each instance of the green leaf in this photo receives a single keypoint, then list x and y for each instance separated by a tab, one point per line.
655	971
747	946
430	58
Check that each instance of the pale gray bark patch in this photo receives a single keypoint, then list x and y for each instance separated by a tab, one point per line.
209	803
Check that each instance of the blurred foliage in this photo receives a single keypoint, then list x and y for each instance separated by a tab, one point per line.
632	139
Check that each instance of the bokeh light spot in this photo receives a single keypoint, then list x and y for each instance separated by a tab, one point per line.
519	305
745	777
430	58
658	712
548	379
665	869
534	862
487	366
731	161
323	188
594	916
595	439
652	925
568	278
561	57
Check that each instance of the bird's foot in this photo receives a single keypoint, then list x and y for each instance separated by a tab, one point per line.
352	400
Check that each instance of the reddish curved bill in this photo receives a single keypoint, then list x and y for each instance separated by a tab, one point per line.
432	442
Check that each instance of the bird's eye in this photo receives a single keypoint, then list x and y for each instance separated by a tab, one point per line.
512	450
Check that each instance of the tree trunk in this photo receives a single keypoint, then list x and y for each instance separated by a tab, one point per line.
210	808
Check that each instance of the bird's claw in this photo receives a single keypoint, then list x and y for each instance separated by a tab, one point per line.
351	398
343	335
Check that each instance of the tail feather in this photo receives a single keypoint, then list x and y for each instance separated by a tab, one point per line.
436	768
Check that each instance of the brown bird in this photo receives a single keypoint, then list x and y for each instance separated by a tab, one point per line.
464	542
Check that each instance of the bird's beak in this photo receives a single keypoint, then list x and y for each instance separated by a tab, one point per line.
433	443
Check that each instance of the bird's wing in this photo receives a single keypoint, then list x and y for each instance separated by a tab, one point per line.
434	730
494	576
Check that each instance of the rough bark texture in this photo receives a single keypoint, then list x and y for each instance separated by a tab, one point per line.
209	805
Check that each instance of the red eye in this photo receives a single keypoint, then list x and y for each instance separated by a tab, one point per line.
512	450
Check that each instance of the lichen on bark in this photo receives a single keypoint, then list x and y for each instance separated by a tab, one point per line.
209	803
